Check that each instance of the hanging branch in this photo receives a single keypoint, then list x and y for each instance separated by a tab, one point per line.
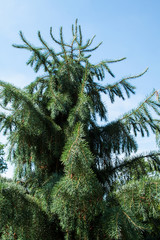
115	89
139	118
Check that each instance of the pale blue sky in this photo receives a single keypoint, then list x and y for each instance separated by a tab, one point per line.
127	28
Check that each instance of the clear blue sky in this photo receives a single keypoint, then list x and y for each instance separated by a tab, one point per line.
127	28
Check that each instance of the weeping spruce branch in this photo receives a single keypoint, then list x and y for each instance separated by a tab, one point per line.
70	179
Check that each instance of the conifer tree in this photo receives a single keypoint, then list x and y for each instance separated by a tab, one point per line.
3	165
71	181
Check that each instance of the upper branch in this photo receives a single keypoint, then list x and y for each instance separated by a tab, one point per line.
140	118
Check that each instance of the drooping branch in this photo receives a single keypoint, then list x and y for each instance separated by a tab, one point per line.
139	119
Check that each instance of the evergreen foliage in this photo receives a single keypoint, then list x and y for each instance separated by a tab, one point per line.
71	181
3	165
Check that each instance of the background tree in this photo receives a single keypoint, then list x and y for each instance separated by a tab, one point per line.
79	180
3	165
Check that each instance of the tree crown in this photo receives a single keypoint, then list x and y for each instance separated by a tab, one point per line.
70	164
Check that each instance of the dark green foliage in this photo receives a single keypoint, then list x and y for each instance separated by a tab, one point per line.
3	165
24	214
75	183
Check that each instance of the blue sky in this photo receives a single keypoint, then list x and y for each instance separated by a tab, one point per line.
127	28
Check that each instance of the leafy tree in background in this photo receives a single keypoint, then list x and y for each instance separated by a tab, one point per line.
3	165
75	179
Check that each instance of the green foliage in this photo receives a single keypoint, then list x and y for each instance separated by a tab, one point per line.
3	165
71	180
22	215
77	197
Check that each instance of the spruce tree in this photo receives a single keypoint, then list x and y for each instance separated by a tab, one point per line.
3	165
75	179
